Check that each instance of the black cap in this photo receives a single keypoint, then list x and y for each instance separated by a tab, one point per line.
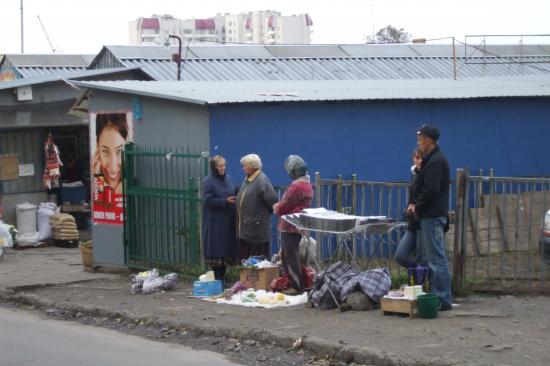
430	131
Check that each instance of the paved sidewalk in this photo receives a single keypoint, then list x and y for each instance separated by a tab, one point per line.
504	330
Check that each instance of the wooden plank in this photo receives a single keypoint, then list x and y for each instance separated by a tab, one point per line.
474	232
503	236
398	306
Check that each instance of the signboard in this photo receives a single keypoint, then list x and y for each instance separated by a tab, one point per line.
9	167
109	132
26	170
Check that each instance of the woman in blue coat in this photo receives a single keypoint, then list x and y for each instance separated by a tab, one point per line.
218	224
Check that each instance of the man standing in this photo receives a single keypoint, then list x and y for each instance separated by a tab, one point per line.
432	192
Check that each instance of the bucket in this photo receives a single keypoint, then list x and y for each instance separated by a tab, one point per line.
428	304
86	252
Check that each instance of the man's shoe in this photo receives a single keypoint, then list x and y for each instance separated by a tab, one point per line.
445	307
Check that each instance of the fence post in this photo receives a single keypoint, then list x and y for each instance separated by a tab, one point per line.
318	189
458	259
353	194
464	225
339	193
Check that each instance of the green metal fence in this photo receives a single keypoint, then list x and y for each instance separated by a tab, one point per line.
162	206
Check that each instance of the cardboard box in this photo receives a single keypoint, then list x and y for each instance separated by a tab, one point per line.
207	288
9	167
258	278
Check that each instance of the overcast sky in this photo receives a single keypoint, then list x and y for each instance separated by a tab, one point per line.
83	26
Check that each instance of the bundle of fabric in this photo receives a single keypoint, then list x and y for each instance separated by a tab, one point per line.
64	227
343	280
283	283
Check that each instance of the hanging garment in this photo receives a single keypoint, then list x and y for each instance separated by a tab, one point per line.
52	172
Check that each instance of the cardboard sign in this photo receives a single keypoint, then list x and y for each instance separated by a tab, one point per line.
9	167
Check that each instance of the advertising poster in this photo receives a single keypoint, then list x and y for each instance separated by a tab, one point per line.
109	132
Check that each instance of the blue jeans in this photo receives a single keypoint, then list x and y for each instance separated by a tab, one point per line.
433	252
410	241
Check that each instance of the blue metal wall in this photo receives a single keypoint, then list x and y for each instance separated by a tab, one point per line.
375	139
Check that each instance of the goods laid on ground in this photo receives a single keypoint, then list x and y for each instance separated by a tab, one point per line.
43	215
148	282
64	227
26	224
262	298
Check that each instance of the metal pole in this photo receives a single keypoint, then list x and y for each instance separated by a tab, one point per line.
454	59
178	61
459	217
22	37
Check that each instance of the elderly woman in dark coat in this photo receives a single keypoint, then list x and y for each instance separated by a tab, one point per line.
218	225
255	202
297	197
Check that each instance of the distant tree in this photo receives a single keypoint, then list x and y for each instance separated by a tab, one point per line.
390	34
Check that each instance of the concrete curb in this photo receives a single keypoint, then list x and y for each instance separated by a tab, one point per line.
317	346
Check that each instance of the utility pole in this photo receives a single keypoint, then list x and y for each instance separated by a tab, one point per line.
22	37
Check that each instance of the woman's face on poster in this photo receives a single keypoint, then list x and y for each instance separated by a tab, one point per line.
110	144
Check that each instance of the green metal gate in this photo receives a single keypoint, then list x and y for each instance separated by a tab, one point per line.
162	206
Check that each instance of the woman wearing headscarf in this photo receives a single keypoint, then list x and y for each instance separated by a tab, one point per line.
298	196
255	202
218	225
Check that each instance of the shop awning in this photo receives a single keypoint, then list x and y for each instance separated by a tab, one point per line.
41	115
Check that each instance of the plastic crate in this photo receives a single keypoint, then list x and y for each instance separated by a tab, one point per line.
207	288
72	194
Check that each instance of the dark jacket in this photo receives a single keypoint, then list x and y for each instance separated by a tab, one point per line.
432	186
412	221
255	202
218	225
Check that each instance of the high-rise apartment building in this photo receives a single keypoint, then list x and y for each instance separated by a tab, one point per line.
258	27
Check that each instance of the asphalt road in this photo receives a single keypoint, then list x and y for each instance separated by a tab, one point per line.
27	339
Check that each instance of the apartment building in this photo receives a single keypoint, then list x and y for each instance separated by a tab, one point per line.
258	27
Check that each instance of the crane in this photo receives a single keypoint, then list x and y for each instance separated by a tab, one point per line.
46	33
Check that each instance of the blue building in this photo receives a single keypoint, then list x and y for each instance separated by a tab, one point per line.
363	127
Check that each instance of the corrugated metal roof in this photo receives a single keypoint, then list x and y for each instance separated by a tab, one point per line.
241	51
33	71
54	60
42	79
331	90
334	68
331	62
312	50
230	52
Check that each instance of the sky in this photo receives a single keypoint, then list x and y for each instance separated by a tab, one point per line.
79	26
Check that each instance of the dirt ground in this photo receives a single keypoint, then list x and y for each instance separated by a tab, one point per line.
482	330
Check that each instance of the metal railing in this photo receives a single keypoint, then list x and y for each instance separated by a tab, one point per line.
162	202
499	223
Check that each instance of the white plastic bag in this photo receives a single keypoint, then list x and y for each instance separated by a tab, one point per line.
307	250
154	284
27	240
5	235
46	210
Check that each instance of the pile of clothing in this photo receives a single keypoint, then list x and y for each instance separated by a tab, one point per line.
63	227
343	280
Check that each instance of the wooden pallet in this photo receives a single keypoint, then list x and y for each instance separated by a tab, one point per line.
409	307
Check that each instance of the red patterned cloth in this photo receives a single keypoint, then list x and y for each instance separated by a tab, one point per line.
282	283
